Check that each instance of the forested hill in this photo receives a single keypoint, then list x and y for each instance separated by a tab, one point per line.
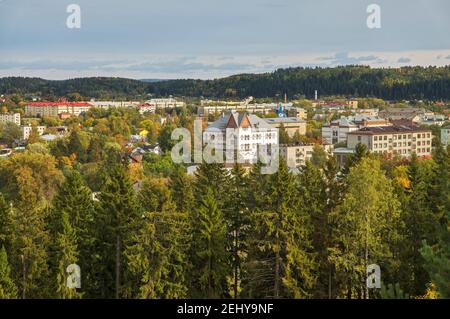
359	81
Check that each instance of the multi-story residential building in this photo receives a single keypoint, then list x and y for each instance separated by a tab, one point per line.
337	131
403	140
246	132
54	109
113	104
403	113
297	155
445	135
168	103
26	130
290	124
10	117
247	106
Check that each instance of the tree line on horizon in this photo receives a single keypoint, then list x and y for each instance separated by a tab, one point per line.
405	83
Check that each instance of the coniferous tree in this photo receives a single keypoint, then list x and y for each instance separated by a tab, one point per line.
281	262
209	256
312	190
8	289
182	193
74	203
157	255
66	255
238	223
211	177
5	210
420	222
437	257
119	215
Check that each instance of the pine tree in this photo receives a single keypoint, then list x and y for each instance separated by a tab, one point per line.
209	257
119	216
364	228
157	255
8	289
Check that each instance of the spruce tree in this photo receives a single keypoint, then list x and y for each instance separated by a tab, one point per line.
118	220
211	178
312	191
209	255
182	192
238	223
281	262
157	255
66	254
420	222
74	203
8	289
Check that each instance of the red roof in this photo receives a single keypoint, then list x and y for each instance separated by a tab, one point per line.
59	104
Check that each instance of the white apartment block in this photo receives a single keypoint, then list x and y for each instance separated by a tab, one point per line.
10	117
113	104
54	109
297	155
246	132
168	103
403	140
337	131
26	131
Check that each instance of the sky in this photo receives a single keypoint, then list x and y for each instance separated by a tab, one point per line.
205	39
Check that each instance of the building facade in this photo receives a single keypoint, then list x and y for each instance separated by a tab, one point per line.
245	133
297	155
54	109
445	135
290	124
26	131
401	140
10	117
337	131
168	103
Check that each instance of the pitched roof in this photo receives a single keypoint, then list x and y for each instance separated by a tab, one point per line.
240	119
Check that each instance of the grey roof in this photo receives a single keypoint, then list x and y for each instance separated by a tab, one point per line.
278	120
254	120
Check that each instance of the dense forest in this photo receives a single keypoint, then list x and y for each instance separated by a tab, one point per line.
153	231
432	83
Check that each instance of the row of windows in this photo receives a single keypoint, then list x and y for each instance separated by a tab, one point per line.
400	137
